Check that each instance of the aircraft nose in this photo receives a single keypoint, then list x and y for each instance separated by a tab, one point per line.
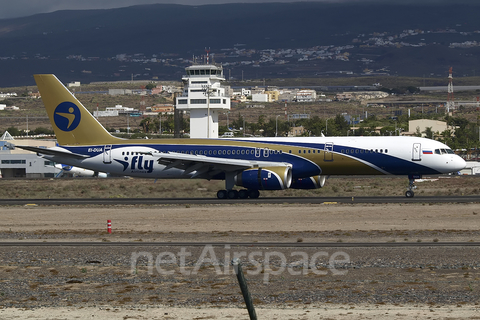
458	163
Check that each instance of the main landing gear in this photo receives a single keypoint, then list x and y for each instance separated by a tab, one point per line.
230	193
411	186
241	194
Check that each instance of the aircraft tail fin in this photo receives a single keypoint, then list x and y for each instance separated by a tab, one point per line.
72	123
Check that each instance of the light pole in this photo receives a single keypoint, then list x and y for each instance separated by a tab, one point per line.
160	129
276	125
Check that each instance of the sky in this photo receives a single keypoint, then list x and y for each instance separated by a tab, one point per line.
21	8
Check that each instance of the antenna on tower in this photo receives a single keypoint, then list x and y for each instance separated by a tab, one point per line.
450	99
208	54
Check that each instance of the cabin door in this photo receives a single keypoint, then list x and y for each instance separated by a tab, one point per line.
417	152
107	154
328	152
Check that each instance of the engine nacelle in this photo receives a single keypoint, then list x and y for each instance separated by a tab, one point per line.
314	182
269	178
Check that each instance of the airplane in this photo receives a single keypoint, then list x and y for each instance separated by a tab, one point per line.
78	172
274	163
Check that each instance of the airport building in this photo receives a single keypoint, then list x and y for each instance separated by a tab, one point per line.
18	163
423	124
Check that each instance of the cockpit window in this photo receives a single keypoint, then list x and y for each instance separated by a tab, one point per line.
444	151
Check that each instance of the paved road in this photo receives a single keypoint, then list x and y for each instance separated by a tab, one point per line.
266	200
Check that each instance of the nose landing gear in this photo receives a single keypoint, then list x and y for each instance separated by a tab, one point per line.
411	186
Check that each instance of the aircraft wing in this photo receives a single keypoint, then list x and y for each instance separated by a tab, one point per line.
207	166
53	152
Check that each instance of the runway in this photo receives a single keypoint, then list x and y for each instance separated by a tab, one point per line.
265	200
244	244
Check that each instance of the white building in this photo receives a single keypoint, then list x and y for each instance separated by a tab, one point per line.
246	92
260	97
120	109
306	95
74	84
16	162
205	98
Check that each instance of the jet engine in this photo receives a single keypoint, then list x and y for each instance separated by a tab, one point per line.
314	182
268	178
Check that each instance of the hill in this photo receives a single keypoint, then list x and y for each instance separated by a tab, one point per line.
261	40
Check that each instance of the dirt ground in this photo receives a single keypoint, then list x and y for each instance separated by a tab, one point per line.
223	223
247	219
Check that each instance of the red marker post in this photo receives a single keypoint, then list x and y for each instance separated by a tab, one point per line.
109	226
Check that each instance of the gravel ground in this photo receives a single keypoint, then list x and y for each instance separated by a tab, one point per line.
199	283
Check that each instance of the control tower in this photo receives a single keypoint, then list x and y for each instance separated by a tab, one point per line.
204	97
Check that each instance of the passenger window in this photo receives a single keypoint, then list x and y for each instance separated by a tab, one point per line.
214	151
308	151
386	150
289	151
299	151
243	151
228	151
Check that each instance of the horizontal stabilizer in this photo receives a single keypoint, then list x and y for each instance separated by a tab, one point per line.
52	152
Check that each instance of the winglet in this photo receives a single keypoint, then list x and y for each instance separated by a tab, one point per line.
72	123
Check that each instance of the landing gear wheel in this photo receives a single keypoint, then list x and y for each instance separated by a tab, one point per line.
222	194
232	194
243	194
409	194
253	194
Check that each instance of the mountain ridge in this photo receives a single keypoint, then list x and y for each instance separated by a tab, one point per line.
185	31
